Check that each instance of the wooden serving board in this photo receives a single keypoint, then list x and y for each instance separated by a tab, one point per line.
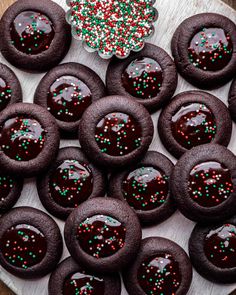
176	228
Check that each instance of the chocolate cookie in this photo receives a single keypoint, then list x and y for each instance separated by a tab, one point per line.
203	49
193	118
232	100
103	234
35	35
71	278
161	267
66	91
148	76
212	251
10	190
10	88
115	131
30	243
146	188
70	180
203	183
29	139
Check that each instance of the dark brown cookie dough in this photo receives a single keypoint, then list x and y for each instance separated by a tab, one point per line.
35	35
66	91
161	266
148	76
204	185
193	118
29	139
30	243
10	190
71	278
10	88
212	251
103	234
115	131
146	188
204	50
232	100
70	180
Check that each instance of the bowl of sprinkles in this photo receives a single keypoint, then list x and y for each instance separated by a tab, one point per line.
112	27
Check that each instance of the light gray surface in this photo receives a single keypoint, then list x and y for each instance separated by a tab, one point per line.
177	228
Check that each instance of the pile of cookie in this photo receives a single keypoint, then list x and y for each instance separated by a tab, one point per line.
112	186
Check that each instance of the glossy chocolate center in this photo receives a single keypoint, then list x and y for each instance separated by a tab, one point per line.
71	183
101	235
211	49
145	188
23	246
83	284
193	124
118	134
68	98
220	246
143	78
159	275
6	185
210	184
5	94
22	138
32	32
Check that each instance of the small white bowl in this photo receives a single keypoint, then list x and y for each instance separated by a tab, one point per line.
79	27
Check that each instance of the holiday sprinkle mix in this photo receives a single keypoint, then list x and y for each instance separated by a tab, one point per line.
111	26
